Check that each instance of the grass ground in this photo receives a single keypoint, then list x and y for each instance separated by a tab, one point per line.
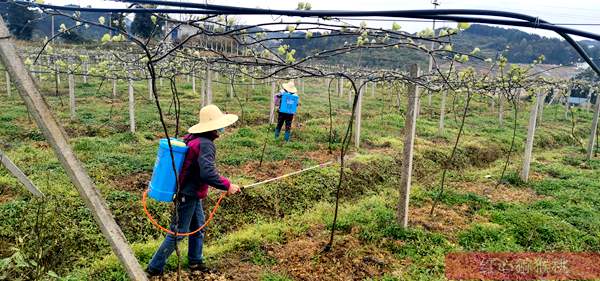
277	231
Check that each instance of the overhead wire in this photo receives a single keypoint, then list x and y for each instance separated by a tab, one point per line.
459	15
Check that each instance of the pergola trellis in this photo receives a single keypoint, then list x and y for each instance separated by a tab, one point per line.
54	133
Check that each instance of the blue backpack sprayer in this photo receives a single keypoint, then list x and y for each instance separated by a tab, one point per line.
163	184
289	103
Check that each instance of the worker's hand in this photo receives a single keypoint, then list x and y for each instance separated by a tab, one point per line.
233	189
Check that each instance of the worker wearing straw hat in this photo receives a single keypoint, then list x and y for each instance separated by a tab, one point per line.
197	174
287	102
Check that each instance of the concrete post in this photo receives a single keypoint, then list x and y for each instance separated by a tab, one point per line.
500	110
208	86
272	105
530	136
358	116
373	85
23	179
72	96
57	69
442	113
593	140
410	123
131	106
7	79
114	88
541	110
231	86
85	71
150	93
194	81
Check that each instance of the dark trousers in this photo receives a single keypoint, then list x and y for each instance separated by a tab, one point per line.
191	217
284	117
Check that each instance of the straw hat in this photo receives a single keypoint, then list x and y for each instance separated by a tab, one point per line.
211	118
289	87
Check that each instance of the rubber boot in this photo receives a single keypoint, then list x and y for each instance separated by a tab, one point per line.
287	136
277	133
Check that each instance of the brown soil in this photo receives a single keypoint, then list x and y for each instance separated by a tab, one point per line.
303	258
5	197
7	193
446	219
270	169
135	182
502	193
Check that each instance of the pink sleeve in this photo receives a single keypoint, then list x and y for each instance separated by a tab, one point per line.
225	182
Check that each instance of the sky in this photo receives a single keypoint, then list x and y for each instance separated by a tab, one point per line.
559	12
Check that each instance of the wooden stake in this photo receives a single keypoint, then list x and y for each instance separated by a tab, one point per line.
55	135
530	135
410	123
593	140
72	96
340	87
23	179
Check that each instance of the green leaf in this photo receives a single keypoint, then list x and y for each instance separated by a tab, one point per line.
463	25
53	274
105	38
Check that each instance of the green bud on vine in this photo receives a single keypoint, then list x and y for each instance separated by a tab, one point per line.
105	38
463	25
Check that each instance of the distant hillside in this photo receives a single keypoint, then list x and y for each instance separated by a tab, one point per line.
523	48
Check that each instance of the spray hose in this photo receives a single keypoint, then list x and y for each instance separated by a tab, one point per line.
214	210
155	223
